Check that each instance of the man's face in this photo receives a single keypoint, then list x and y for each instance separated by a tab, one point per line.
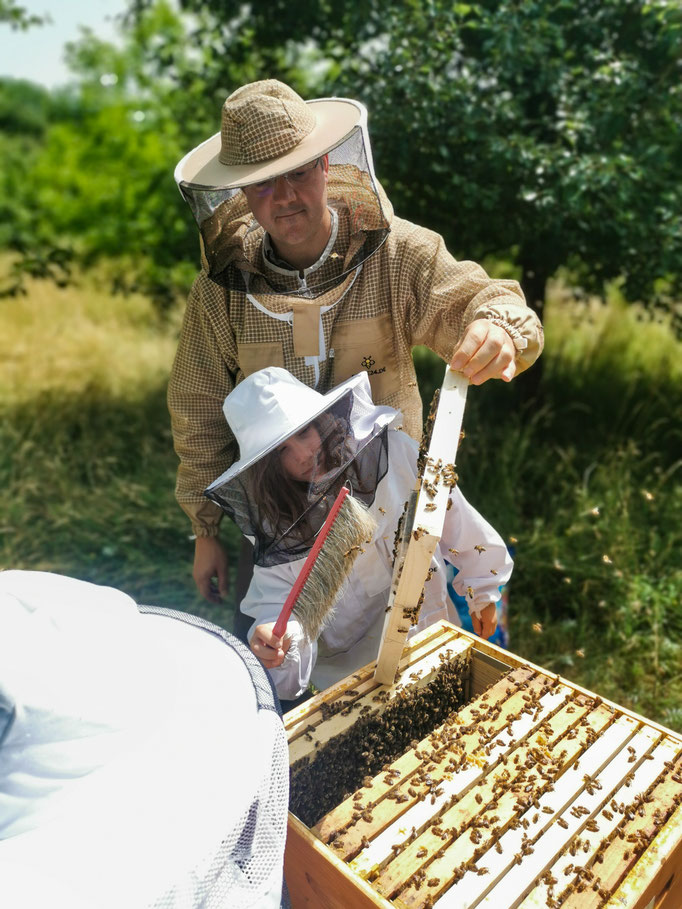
294	212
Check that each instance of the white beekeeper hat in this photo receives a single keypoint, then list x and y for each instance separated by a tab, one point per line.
271	405
131	747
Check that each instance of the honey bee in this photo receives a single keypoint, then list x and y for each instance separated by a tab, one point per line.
479	549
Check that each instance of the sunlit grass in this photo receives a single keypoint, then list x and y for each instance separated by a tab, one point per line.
70	339
87	467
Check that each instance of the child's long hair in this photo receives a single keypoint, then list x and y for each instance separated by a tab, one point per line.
282	501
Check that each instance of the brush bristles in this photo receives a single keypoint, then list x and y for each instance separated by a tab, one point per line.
354	526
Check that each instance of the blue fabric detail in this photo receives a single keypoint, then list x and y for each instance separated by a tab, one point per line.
501	635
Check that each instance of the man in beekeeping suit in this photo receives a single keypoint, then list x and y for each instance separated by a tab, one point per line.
306	267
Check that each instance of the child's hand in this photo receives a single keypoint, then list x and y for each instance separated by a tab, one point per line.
269	649
485	622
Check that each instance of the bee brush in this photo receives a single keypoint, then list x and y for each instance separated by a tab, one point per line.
327	565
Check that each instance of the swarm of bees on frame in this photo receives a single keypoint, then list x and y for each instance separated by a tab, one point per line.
431	473
626	821
376	738
348	765
426	434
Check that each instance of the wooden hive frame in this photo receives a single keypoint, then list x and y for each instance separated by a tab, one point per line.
536	793
423	521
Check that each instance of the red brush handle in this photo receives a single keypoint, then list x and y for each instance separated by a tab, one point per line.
287	609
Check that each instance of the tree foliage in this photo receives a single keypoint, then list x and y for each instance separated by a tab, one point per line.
548	131
544	132
96	182
17	17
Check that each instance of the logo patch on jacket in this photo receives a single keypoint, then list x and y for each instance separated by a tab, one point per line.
368	362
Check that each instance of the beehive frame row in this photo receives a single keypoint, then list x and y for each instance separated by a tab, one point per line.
535	794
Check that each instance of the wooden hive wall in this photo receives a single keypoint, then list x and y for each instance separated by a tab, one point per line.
534	794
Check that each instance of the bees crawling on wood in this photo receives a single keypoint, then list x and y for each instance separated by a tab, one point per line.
429	489
449	477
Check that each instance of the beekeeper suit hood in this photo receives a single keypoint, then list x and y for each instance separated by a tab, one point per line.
269	131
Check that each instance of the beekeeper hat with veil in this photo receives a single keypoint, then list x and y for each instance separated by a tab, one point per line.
143	761
267	131
280	514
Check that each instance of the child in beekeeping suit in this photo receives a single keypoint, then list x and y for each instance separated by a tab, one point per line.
297	448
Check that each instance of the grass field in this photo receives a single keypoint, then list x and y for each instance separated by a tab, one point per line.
585	481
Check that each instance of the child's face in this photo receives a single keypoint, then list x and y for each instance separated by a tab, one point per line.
298	455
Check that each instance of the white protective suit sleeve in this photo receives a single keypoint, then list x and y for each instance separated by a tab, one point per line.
264	599
481	556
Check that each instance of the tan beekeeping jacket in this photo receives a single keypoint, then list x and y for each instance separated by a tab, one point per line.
411	291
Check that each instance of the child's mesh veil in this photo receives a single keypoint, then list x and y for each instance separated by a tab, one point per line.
283	516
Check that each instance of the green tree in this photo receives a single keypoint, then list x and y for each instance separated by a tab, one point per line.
545	131
99	183
17	17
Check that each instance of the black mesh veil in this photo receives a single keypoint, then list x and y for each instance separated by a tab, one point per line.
232	240
281	514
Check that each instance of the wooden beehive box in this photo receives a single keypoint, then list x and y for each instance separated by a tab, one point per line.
479	779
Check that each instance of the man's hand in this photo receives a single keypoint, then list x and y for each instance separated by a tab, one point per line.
485	352
486	622
211	574
269	649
